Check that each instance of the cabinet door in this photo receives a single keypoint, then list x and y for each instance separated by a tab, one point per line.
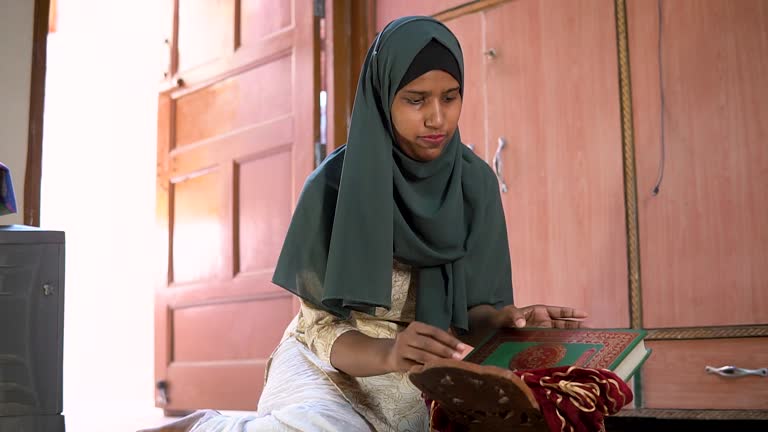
553	101
387	10
675	375
704	237
31	319
468	30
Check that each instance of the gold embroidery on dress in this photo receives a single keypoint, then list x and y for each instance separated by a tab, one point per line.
389	402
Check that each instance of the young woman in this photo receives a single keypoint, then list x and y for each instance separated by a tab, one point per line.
397	248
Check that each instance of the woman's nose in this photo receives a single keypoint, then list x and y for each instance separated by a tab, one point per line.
435	116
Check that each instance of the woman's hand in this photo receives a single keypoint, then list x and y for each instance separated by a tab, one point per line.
540	316
420	343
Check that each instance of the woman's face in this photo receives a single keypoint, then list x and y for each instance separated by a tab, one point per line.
425	114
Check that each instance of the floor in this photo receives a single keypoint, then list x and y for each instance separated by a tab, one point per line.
122	420
118	420
132	420
618	424
626	424
125	422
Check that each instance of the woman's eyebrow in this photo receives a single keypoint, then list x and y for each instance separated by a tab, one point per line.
418	92
427	93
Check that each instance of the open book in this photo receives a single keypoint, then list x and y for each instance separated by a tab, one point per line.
533	379
621	351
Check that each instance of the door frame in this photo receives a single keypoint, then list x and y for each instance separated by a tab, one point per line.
34	164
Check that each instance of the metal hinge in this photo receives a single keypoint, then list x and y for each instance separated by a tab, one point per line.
320	8
320	153
161	397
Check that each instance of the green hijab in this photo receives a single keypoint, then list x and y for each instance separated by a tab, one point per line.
368	203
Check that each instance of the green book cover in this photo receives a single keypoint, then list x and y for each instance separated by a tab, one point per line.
618	350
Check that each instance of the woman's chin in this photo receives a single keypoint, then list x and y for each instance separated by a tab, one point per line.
428	153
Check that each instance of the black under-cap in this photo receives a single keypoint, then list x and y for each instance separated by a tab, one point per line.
434	56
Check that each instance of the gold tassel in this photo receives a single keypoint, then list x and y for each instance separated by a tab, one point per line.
432	408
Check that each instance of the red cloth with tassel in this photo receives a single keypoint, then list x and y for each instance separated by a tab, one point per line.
569	398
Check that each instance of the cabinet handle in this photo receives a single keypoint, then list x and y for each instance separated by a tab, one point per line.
48	289
497	164
733	371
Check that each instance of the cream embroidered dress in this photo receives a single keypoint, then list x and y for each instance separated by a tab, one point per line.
303	392
388	402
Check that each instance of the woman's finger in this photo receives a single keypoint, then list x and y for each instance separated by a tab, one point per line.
571	324
439	335
556	312
514	316
407	363
418	356
432	346
566	324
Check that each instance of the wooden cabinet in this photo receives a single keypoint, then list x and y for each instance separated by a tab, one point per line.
32	270
563	99
700	104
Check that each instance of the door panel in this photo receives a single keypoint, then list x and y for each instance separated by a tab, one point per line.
198	240
387	10
261	18
195	385
553	90
468	30
232	103
224	337
704	237
263	212
235	144
205	31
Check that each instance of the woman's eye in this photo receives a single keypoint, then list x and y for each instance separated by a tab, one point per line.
449	98
414	101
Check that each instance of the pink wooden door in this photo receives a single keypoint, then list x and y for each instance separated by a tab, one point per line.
235	143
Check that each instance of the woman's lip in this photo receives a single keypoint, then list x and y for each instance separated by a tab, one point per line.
434	139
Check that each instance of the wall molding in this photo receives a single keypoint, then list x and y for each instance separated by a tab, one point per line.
681	414
467	8
630	182
708	332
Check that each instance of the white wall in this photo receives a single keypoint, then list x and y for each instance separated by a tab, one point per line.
16	25
98	185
